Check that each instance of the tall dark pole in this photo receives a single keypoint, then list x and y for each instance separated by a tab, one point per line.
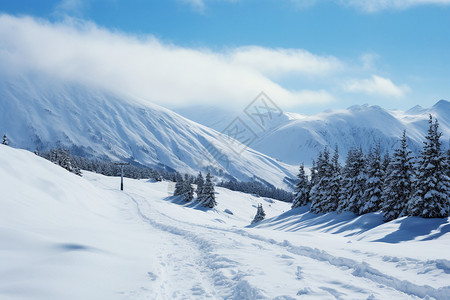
121	164
121	177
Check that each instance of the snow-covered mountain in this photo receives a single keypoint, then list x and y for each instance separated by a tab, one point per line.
38	112
68	237
295	138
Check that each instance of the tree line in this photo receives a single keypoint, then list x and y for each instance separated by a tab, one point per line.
75	164
205	189
401	185
257	188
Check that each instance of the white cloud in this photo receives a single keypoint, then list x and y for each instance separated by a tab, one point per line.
376	86
275	62
198	5
73	7
368	60
366	6
373	6
162	73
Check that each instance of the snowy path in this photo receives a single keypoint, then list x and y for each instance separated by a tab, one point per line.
221	262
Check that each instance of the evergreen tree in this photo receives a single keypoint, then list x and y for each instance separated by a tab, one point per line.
302	189
448	159
63	158
316	175
314	178
385	163
260	214
397	187
5	140
322	193
179	185
432	188
374	185
332	201
354	182
155	175
208	196
199	182
188	190
258	188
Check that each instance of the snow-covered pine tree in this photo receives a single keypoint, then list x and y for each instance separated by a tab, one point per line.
314	178
5	140
302	189
354	182
448	160
385	163
322	192
398	185
199	182
155	175
314	194
208	196
331	202
63	158
260	214
188	190
374	185
179	185
432	188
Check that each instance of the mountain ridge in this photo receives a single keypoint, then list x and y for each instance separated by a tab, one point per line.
93	122
298	138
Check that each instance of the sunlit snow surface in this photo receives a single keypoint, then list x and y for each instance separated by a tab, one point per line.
66	237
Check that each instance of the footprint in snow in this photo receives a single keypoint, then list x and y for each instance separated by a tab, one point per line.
298	274
152	276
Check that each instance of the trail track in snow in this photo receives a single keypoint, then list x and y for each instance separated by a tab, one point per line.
231	274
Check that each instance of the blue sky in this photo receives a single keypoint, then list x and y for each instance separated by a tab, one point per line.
308	55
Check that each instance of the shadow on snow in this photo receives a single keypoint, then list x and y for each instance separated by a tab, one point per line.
349	224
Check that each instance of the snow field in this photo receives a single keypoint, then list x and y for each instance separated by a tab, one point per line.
66	237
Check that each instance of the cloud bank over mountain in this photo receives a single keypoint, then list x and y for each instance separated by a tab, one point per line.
144	66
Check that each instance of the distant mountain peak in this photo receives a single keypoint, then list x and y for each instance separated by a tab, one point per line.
357	107
365	107
415	110
442	104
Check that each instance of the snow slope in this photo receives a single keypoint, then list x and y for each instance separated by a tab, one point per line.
44	113
66	237
295	138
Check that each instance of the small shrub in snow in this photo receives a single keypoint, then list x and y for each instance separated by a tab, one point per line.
260	214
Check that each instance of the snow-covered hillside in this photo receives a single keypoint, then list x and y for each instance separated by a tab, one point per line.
38	112
69	237
296	138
